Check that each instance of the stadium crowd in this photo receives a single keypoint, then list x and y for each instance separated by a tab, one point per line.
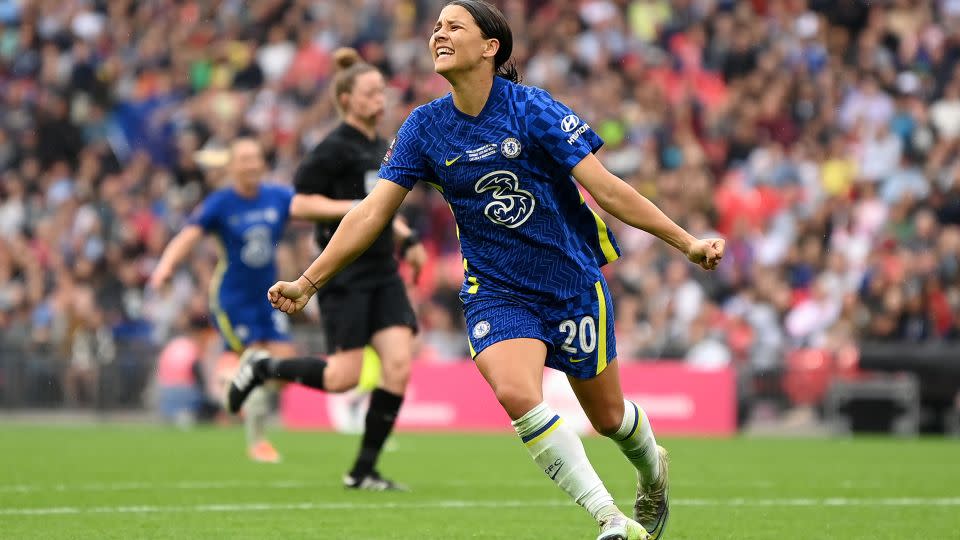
819	137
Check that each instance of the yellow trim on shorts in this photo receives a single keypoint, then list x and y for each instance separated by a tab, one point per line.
473	353
223	321
602	330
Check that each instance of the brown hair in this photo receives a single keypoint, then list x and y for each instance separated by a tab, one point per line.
493	25
348	65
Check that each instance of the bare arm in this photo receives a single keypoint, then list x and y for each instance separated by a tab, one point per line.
319	207
178	248
623	202
358	230
400	229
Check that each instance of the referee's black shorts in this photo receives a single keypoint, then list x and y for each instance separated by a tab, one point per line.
352	316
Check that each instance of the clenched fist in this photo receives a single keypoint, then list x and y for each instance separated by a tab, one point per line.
289	296
707	253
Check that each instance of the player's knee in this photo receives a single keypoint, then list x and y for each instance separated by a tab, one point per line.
606	424
396	368
341	376
516	399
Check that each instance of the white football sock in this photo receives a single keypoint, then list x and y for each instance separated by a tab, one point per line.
255	413
558	451
636	441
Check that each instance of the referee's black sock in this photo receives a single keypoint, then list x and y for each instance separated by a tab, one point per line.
305	370
381	416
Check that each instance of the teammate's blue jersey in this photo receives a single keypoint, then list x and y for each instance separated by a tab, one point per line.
249	230
524	227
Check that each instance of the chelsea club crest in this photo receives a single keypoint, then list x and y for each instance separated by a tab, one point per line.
510	147
481	329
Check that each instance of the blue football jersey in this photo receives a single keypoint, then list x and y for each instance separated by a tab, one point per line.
524	227
249	231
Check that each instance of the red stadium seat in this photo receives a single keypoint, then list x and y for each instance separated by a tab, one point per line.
807	377
847	364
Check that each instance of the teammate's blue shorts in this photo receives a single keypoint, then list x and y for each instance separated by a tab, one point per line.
241	324
578	332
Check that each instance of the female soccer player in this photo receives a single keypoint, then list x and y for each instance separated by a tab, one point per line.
367	302
503	155
248	218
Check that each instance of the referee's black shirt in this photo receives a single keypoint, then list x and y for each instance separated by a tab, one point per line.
344	166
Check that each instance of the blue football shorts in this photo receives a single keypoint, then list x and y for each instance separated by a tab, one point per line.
243	323
578	332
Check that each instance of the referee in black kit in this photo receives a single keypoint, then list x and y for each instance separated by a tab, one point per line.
367	302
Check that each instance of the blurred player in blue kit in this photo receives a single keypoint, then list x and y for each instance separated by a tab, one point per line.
247	218
508	159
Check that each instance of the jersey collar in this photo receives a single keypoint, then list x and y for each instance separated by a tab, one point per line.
496	92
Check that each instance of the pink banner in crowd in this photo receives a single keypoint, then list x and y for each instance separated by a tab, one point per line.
454	397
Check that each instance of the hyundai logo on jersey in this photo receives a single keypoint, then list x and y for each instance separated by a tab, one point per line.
569	123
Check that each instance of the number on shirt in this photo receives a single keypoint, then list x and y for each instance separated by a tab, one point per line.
257	249
587	332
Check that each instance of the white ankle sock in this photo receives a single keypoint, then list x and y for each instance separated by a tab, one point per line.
636	441
255	413
558	451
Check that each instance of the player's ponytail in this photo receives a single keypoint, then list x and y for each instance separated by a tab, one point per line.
509	72
493	25
345	57
348	65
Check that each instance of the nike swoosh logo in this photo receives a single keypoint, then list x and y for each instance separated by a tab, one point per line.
577	360
450	162
556	472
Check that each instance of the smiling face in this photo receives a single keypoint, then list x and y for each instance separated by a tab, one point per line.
458	45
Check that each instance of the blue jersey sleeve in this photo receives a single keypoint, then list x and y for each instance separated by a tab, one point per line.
207	215
285	195
560	132
403	163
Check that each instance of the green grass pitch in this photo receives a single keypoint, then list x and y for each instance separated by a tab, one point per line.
129	482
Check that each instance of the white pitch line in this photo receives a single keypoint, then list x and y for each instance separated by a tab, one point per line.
149	486
292	484
459	504
269	507
829	501
217	484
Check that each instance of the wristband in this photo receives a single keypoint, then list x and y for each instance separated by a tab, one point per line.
312	284
408	242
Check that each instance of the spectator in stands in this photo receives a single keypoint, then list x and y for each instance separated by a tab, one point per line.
820	138
181	379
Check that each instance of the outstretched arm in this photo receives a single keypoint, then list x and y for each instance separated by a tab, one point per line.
178	248
319	207
359	228
623	202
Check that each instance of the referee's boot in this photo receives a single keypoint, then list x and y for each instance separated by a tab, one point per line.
371	481
254	365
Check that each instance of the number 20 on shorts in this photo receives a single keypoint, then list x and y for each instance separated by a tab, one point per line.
586	331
